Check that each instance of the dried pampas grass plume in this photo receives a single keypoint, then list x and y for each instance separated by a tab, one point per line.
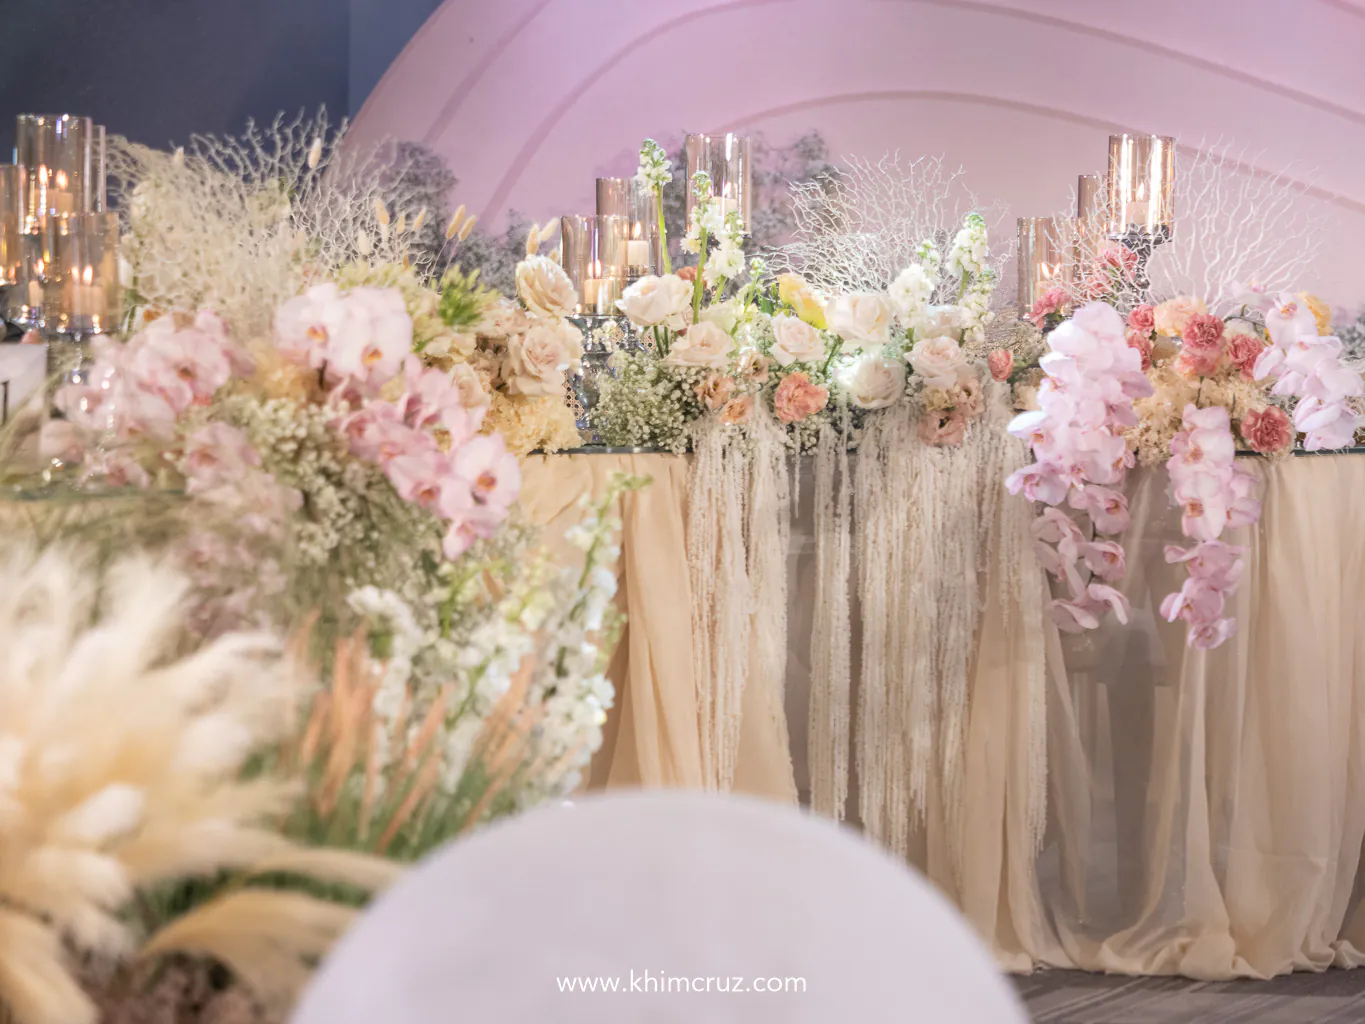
121	757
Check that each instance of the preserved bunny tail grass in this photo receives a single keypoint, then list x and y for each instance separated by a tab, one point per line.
831	635
721	597
769	542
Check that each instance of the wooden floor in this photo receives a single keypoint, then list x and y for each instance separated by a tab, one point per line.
1071	997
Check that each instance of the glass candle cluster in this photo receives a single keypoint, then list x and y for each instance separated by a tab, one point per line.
58	242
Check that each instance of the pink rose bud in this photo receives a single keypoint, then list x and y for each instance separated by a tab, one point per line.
1001	362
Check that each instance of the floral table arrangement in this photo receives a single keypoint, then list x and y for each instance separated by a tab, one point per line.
718	350
321	424
1174	384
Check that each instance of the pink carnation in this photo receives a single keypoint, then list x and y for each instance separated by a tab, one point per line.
1050	302
1203	332
1243	351
796	398
1142	342
1268	430
1001	362
1196	364
1142	318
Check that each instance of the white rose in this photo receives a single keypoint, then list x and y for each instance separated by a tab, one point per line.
797	341
537	360
545	288
940	361
910	291
874	382
656	300
862	318
938	322
704	344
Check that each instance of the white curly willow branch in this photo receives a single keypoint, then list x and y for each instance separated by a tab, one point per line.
1234	225
241	223
856	231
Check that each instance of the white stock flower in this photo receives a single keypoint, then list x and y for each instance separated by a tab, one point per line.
545	288
910	291
653	300
704	344
796	341
726	262
874	382
862	319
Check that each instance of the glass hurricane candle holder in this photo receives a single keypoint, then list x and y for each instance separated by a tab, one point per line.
54	152
726	158
1141	187
24	302
9	224
624	197
82	295
1044	261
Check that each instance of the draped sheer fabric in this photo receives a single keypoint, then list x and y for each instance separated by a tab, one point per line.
1206	811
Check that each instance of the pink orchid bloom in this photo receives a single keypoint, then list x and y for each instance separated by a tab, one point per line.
1059	563
1203	501
468	520
1101	456
1326	425
1073	617
1108	509
1207	635
491	472
1105	558
1102	596
1212	560
382	439
417	476
1288	318
1032	426
1196	601
1056	527
215	454
1269	362
1102	321
1040	481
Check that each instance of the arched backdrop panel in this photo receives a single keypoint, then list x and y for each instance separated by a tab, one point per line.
530	100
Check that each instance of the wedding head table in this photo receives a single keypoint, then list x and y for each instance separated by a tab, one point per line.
1204	811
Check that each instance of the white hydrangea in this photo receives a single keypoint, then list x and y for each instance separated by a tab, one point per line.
910	291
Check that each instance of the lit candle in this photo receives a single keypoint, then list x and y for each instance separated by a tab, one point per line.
591	286
61	201
35	295
637	252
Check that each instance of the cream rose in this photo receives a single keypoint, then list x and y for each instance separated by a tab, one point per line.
861	318
874	382
940	361
545	288
537	360
652	300
469	385
704	344
797	341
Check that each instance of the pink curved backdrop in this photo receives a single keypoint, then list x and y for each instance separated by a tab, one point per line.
530	100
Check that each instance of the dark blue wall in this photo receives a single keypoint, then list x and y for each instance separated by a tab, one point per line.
158	70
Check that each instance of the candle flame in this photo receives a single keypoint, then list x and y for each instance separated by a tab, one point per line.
61	179
88	275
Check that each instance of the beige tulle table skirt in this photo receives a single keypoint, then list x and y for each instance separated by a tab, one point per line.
1206	810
